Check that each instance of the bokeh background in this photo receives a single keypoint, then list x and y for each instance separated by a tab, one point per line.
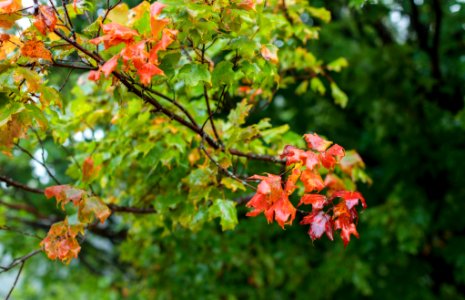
405	116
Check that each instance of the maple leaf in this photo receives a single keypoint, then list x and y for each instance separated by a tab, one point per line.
9	12
15	128
333	182
292	180
247	4
312	181
320	223
351	198
350	161
135	53
64	194
167	38
93	206
316	200
269	54
110	65
89	170
61	243
147	71
36	49
272	200
315	142
293	155
115	34
332	156
347	228
156	24
46	19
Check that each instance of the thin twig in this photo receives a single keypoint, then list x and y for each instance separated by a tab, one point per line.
15	282
38	161
19	260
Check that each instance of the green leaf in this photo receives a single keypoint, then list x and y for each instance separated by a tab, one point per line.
8	110
223	73
317	86
226	210
320	13
340	98
193	74
338	64
232	184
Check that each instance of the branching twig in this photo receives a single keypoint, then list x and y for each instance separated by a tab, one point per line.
19	260
15	282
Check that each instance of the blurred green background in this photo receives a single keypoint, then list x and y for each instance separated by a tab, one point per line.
405	116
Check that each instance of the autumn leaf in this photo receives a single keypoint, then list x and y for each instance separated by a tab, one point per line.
312	181
61	243
89	170
315	142
332	156
46	19
270	53
316	200
320	223
351	198
115	34
247	4
272	201
91	207
110	65
36	49
147	71
347	228
292	179
9	12
293	155
64	194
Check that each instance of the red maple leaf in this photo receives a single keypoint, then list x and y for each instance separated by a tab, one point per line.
272	200
316	200
351	198
115	34
320	223
315	142
312	181
332	156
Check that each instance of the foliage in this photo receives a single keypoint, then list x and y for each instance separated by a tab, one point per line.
139	121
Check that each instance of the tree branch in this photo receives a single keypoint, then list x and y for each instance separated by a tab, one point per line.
11	182
15	282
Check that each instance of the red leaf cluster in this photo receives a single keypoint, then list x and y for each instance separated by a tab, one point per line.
140	53
322	194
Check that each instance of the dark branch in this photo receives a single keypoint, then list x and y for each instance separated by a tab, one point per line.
15	282
11	182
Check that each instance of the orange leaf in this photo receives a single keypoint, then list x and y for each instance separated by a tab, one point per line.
46	19
61	243
36	49
270	54
312	181
315	142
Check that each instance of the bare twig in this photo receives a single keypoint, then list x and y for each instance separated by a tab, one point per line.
15	282
38	161
11	182
19	260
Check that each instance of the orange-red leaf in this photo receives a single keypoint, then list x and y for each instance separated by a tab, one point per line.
292	180
315	142
109	66
351	198
36	49
115	34
61	243
46	19
147	71
316	200
312	181
64	194
347	228
332	156
272	200
269	54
